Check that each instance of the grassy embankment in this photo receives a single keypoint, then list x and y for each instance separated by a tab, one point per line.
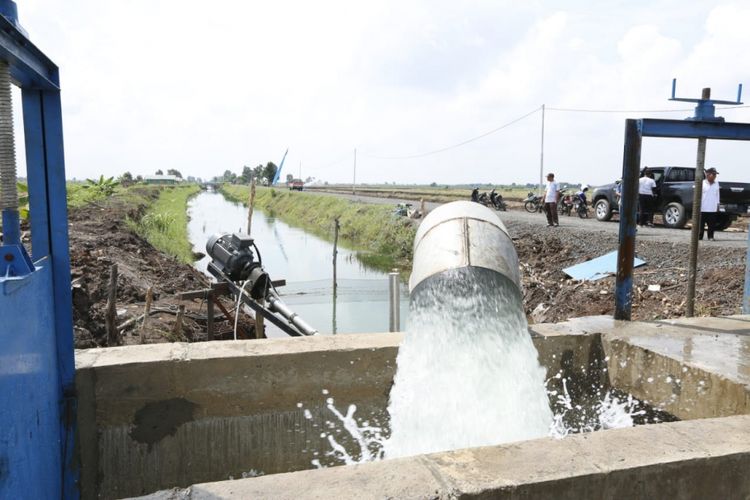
164	213
383	240
164	224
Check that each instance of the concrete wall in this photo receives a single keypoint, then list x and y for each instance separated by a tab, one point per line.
696	459
158	416
164	415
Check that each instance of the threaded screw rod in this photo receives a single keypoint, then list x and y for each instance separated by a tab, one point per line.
8	176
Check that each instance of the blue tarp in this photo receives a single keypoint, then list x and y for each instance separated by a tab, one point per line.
598	268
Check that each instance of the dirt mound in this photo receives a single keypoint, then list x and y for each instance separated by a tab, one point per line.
551	296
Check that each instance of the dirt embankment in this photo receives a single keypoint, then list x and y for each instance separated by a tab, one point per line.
100	237
551	296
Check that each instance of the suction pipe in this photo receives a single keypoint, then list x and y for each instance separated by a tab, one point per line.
463	235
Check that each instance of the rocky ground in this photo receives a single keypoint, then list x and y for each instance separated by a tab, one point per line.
551	296
100	237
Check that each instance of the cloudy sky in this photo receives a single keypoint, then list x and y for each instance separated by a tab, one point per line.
209	86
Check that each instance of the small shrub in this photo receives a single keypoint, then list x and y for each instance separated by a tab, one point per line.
160	222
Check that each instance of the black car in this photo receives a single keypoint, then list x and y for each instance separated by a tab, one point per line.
674	198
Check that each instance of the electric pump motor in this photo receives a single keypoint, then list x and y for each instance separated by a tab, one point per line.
233	255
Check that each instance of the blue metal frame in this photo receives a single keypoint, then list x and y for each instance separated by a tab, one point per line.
37	371
635	131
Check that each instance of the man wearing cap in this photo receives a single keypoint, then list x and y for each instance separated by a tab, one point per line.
709	203
551	194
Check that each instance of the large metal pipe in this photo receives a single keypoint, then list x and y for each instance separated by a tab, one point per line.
463	235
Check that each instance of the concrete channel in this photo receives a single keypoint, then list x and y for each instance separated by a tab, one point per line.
166	416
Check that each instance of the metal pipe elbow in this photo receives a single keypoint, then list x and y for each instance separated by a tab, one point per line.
463	234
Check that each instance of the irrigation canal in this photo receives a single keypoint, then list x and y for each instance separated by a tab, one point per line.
305	262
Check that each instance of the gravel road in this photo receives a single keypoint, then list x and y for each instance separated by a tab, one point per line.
516	215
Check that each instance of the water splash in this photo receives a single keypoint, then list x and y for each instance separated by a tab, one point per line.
468	373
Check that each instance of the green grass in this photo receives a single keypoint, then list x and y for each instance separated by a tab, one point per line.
383	240
164	224
438	194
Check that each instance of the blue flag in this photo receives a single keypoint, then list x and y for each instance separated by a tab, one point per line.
278	170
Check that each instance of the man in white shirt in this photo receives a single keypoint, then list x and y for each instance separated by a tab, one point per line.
551	193
646	187
709	203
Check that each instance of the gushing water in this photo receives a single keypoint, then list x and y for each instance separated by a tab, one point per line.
468	373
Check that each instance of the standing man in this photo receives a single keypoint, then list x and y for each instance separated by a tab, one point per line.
551	193
646	187
709	203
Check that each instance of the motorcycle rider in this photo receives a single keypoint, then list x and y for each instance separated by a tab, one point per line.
475	195
493	197
581	195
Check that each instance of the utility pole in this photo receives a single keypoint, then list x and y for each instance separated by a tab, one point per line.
354	178
541	158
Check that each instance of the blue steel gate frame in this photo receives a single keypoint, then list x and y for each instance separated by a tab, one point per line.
37	371
635	131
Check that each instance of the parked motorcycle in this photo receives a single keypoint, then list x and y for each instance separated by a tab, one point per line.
492	200
497	201
580	205
533	203
565	206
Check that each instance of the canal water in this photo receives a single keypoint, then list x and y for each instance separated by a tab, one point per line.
305	262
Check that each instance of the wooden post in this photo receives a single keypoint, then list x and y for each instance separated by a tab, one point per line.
146	312
336	227
422	211
210	315
250	204
695	230
113	336
177	328
260	322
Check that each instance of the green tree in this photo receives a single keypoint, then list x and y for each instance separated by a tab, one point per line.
247	175
269	171
174	172
289	178
229	176
159	172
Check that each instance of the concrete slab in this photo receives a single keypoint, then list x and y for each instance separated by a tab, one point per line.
697	459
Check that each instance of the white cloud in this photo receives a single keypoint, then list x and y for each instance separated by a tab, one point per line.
209	87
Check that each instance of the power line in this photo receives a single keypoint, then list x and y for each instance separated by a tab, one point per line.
462	143
508	124
583	110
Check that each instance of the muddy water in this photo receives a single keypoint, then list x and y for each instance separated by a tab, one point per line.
305	262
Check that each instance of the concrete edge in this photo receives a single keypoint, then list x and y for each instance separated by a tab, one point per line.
656	461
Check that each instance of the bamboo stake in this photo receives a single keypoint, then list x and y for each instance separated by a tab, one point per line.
250	204
113	337
336	227
177	328
146	312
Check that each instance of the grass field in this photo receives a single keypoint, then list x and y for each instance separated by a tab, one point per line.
383	239
164	224
428	193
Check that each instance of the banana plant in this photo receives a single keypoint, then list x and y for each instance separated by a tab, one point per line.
104	186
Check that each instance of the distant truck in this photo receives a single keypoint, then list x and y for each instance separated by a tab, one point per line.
674	198
296	185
